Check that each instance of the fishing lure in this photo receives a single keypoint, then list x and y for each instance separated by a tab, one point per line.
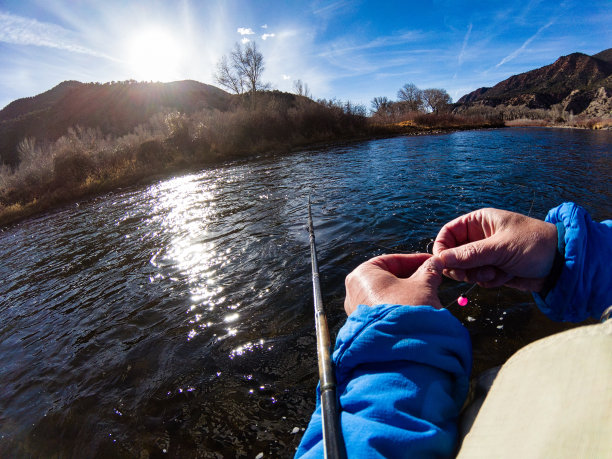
463	299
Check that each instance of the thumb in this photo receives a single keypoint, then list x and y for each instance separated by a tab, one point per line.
472	255
430	273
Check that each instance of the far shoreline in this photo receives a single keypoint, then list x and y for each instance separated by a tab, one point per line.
590	125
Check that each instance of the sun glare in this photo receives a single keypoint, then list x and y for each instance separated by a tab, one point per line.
154	54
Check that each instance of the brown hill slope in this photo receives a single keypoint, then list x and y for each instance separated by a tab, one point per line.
551	84
114	108
605	55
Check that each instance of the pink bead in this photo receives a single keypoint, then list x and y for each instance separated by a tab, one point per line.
463	301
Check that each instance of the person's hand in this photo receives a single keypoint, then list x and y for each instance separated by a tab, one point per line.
395	279
495	247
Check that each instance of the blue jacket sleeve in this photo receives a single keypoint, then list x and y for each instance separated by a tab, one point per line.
402	378
584	287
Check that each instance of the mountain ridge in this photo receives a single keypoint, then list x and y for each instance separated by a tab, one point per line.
576	76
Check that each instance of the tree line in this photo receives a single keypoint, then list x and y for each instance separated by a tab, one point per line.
411	99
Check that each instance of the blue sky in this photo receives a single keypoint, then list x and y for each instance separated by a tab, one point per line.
350	50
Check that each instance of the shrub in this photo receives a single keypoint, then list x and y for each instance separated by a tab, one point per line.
151	153
71	167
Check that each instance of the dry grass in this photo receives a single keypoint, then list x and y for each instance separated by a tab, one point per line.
603	123
556	116
590	123
428	122
452	121
580	122
527	123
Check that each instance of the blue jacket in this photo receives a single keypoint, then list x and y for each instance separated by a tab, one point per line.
584	287
403	371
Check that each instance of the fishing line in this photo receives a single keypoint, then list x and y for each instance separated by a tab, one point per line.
462	300
389	248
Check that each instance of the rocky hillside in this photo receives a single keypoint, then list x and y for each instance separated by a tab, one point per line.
114	108
579	83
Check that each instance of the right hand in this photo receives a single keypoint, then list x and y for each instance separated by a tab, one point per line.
495	247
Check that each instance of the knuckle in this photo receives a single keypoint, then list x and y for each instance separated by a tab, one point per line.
355	274
349	278
470	251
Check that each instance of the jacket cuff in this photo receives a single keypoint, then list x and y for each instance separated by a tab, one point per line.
558	263
575	296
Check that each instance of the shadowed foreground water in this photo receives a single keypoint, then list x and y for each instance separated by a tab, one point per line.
175	320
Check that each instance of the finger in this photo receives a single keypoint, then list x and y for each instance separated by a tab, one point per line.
477	275
449	236
400	265
500	279
455	274
525	284
473	255
461	230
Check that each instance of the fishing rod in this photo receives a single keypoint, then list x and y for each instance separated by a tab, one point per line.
333	443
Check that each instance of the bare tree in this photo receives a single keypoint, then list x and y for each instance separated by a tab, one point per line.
380	103
251	66
228	76
243	71
301	89
436	100
412	96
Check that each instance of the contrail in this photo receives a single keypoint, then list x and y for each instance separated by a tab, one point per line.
518	51
465	42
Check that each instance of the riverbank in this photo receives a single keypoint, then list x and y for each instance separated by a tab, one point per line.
592	124
83	163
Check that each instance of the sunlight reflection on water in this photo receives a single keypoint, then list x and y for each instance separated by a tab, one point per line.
189	206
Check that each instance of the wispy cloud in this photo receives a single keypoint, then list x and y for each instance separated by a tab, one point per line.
526	43
340	47
265	36
245	31
245	40
265	26
464	46
332	7
20	30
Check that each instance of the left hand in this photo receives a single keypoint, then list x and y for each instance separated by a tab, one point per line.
411	279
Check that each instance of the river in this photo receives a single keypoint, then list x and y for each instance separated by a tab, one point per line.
176	320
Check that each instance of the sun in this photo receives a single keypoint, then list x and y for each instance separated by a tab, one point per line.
154	54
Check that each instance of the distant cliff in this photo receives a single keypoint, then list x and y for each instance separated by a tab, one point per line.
114	108
576	84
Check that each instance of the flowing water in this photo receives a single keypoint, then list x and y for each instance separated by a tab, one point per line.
176	319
